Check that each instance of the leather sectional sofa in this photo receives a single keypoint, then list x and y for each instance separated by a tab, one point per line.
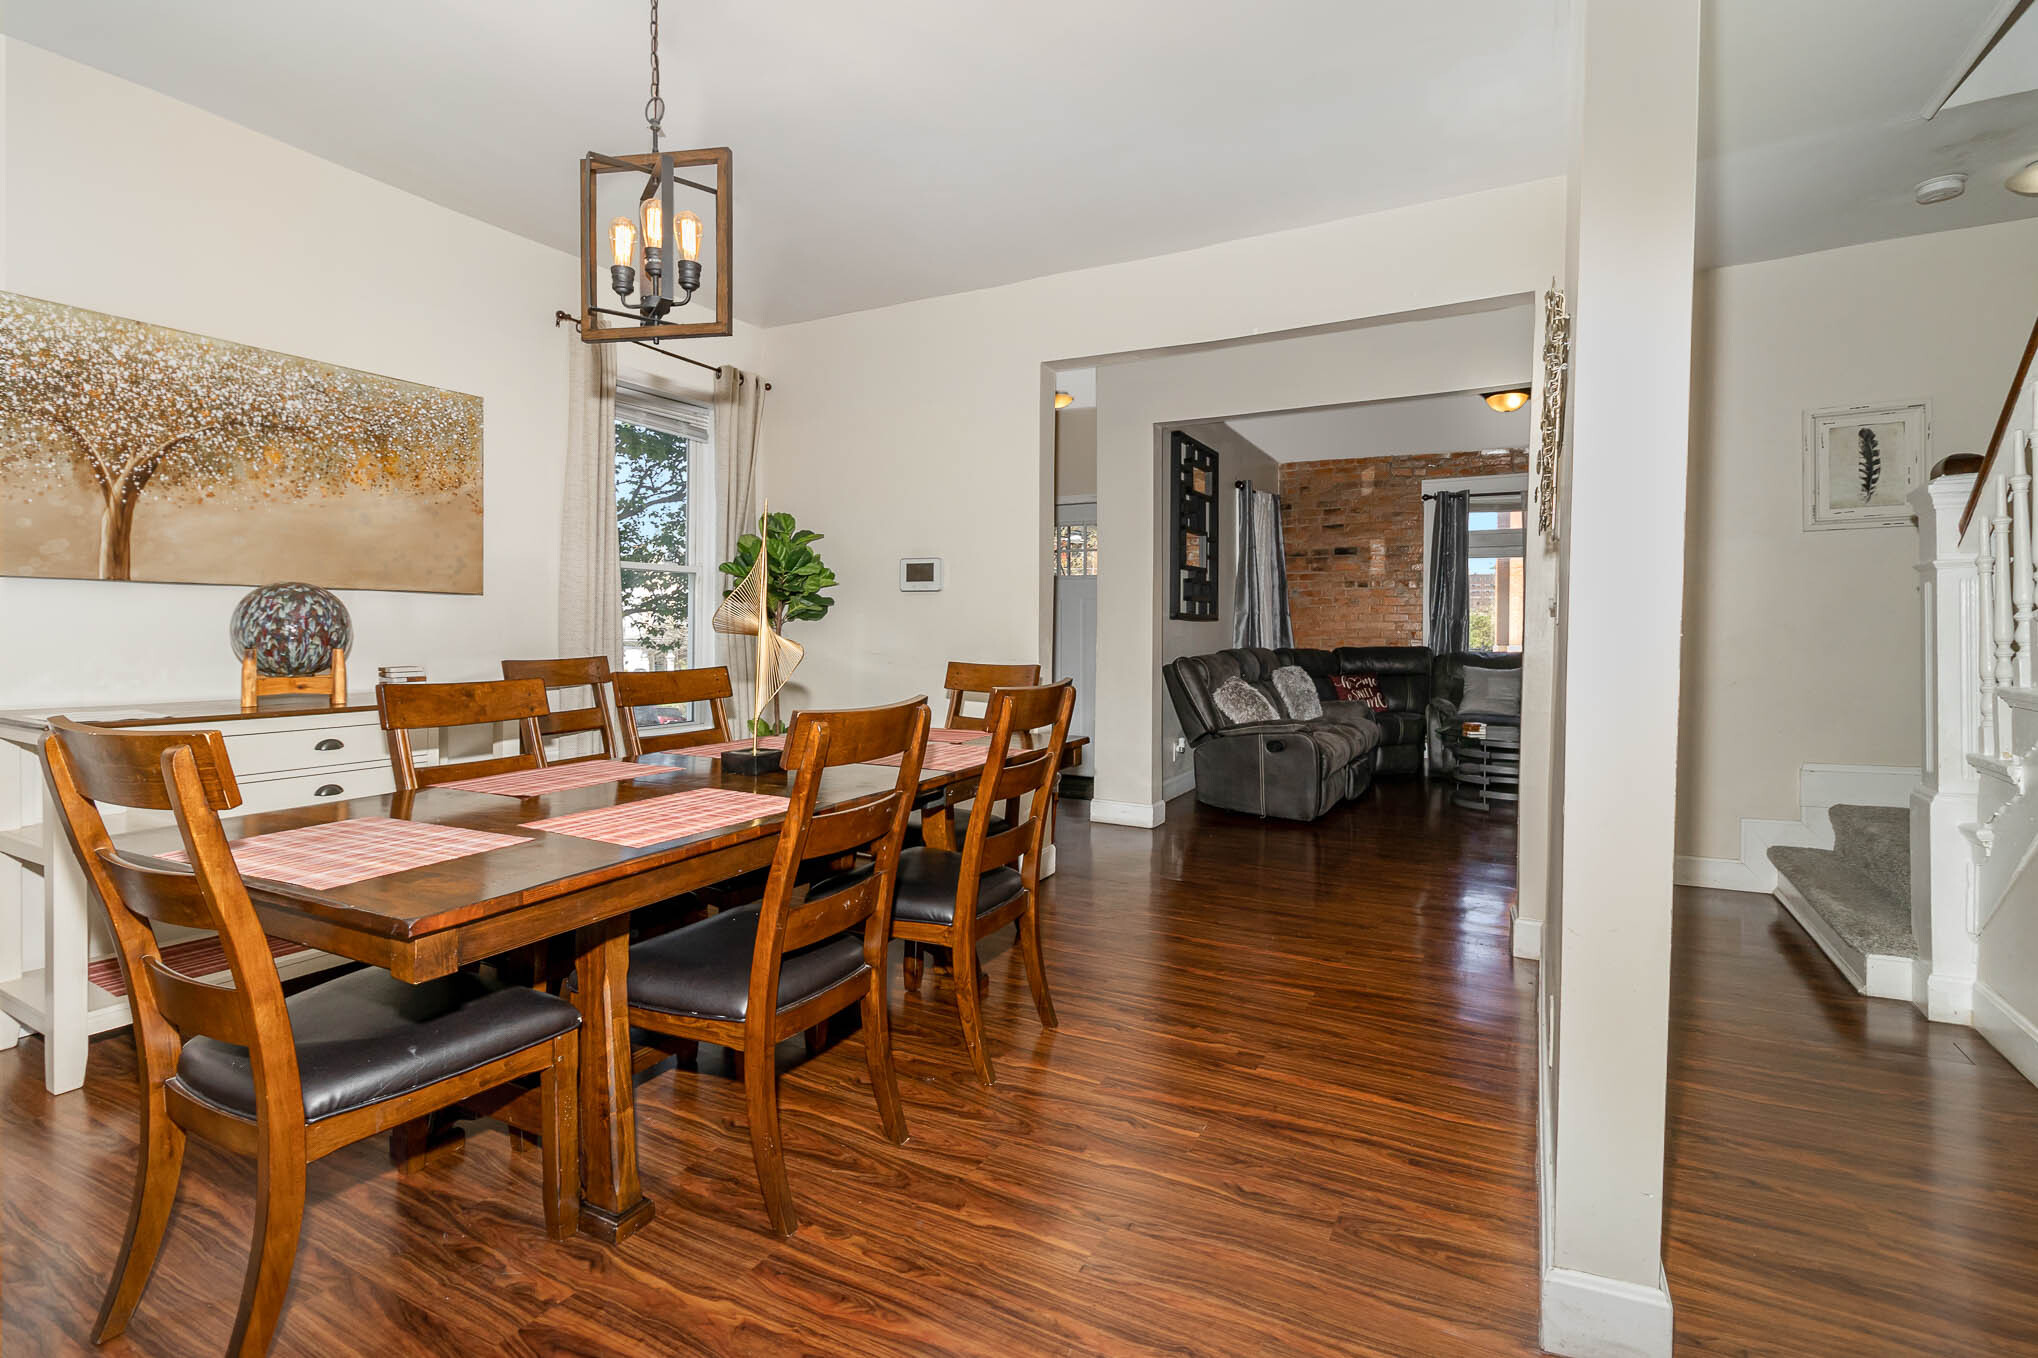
1299	768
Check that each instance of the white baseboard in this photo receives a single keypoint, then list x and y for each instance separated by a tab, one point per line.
1948	999
2008	1031
1139	815
1820	787
1587	1316
1528	939
1180	784
1724	874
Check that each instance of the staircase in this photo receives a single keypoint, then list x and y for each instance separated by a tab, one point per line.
1854	899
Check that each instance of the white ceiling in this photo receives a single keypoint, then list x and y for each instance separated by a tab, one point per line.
923	147
1814	133
1457	422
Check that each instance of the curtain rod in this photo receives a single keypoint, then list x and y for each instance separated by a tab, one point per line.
560	318
1483	494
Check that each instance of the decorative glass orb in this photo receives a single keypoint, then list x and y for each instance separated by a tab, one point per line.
290	628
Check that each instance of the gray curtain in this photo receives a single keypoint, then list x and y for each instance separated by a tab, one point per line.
1450	603
1259	593
739	415
590	569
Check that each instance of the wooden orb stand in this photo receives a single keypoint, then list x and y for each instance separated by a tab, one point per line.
331	682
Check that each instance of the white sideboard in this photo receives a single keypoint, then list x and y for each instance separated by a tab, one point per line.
288	752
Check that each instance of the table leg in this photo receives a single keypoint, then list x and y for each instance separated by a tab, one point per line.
612	1203
65	943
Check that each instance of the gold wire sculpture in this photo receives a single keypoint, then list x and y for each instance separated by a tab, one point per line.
745	611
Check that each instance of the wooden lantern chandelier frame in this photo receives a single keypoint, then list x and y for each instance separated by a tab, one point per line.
613	325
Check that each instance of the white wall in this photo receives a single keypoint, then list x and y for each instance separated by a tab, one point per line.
1803	648
202	225
1076	456
955	462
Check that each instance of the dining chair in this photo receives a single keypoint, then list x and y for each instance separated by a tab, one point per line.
966	679
283	1080
671	688
424	707
750	978
589	672
953	897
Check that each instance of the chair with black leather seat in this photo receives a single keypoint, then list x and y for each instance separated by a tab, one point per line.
590	672
953	897
286	1081
405	708
750	978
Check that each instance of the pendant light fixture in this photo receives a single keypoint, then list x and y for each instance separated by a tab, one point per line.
644	265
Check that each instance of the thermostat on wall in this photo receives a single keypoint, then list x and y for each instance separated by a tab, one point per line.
919	572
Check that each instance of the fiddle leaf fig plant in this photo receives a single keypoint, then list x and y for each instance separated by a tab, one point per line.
796	582
795	577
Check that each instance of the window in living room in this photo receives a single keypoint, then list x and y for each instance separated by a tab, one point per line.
664	520
1495	555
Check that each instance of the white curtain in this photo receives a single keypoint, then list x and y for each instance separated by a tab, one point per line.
739	414
1259	610
590	568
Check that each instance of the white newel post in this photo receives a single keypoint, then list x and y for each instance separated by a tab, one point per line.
1957	688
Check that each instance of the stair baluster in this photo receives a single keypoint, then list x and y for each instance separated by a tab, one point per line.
1985	612
2003	624
2020	553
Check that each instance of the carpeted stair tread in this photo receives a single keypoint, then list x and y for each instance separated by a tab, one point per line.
1876	842
1862	911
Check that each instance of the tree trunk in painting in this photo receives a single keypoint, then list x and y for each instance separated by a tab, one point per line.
116	532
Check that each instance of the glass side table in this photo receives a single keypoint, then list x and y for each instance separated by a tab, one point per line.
1489	766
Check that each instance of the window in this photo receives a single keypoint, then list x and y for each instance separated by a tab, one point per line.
664	511
1075	549
1495	556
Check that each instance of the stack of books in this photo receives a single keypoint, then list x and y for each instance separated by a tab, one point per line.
402	674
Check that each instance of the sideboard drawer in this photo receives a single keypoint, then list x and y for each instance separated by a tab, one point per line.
323	785
311	747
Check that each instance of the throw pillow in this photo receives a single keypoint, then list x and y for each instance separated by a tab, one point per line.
1495	692
1297	692
1239	703
1359	688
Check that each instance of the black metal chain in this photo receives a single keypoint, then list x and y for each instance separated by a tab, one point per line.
654	107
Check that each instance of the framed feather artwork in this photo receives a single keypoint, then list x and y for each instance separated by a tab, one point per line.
1861	464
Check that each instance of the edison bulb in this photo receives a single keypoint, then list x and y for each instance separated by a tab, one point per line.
654	224
623	241
689	236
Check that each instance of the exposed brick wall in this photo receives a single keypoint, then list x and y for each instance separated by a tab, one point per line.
1353	532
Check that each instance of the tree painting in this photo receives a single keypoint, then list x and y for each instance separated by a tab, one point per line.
213	461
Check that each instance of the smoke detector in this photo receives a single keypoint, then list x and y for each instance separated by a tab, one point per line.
2024	181
1941	188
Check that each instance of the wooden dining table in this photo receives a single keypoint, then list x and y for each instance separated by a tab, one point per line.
427	922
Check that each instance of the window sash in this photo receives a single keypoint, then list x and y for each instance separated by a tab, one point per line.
682	419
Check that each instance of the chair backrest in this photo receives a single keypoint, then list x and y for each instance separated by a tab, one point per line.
1013	770
817	742
422	707
670	688
187	774
588	671
966	678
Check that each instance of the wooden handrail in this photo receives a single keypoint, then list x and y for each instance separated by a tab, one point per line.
2002	423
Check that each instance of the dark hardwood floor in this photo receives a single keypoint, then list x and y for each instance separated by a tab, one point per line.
1290	1110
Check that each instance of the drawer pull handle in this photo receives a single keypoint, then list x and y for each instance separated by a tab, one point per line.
329	790
330	744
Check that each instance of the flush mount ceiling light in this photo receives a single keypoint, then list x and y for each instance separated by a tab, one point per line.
659	231
1941	188
1508	401
2024	181
1062	400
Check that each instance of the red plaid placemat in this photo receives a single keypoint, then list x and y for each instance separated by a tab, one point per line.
638	825
949	735
537	782
710	751
944	758
194	957
344	851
